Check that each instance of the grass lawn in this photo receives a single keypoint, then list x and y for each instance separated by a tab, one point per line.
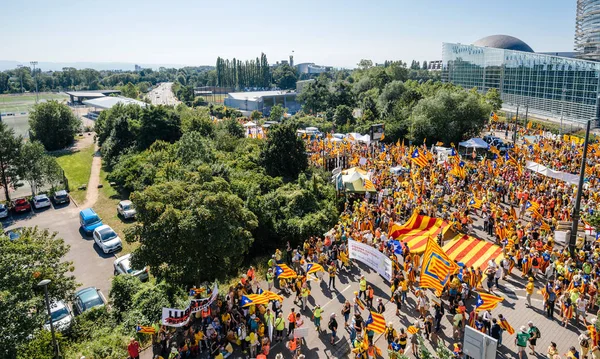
106	207
77	167
25	102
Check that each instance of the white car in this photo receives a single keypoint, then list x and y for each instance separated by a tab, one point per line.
123	266
126	209
41	201
107	239
61	316
3	211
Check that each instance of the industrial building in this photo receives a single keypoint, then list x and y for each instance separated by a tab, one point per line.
547	85
77	97
108	102
262	101
311	68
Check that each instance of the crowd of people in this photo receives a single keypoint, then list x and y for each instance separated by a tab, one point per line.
520	211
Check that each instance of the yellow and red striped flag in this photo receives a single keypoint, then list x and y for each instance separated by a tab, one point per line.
412	329
504	325
313	267
436	267
376	322
418	158
487	301
145	330
532	206
369	186
282	271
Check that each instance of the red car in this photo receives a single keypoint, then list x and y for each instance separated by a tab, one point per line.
21	205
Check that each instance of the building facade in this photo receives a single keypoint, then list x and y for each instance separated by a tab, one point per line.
587	29
262	101
547	85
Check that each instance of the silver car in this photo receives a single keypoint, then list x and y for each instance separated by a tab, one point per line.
41	201
107	239
123	266
61	316
126	209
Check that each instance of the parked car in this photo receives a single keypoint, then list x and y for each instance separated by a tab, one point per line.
41	201
126	209
21	205
489	139
3	211
61	197
86	299
107	239
123	266
61	316
89	220
14	234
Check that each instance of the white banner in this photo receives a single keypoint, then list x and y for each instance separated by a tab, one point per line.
178	317
371	257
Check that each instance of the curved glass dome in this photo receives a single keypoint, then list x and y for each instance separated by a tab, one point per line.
503	42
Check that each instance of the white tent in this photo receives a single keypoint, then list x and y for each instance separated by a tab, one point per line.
543	170
250	124
474	143
359	138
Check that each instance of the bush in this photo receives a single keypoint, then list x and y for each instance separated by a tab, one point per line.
124	287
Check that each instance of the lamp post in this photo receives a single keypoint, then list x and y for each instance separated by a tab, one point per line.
44	283
575	224
34	64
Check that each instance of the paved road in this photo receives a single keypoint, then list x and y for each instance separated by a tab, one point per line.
92	266
162	95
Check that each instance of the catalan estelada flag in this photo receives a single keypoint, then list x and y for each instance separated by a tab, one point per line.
253	299
369	186
313	267
487	301
282	271
475	203
532	206
504	325
376	322
416	231
272	296
436	268
145	330
418	158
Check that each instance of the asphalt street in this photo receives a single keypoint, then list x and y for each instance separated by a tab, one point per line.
92	268
162	95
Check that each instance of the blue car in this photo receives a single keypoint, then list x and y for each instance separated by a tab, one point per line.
89	220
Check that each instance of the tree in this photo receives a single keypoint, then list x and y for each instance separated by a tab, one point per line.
130	90
315	96
343	115
234	128
365	64
284	153
255	115
392	92
158	123
277	113
36	255
492	98
424	65
285	77
448	116
36	167
190	233
53	124
197	119
10	154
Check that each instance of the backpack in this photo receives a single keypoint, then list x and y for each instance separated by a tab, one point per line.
537	332
535	262
584	343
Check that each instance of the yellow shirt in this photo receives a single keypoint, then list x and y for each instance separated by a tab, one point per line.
199	336
404	285
529	288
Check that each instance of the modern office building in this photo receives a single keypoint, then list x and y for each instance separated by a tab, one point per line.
262	101
549	86
587	29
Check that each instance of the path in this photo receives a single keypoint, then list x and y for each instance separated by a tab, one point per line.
91	195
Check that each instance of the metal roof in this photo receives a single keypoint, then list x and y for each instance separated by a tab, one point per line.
109	101
255	95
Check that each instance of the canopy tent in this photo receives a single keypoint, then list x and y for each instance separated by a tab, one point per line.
472	252
399	169
250	124
357	137
543	170
416	231
476	143
353	180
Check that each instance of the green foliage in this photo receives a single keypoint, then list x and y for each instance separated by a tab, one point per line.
53	124
10	154
424	353
255	115
199	101
96	334
285	77
301	121
284	153
315	96
187	218
130	90
235	73
36	255
40	346
123	288
277	113
343	115
37	167
443	352
233	128
492	98
196	119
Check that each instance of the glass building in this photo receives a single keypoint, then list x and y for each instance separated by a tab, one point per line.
587	29
550	86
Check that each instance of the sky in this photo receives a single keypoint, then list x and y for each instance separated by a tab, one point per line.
326	32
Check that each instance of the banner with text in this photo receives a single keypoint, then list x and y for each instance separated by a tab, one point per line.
371	257
178	317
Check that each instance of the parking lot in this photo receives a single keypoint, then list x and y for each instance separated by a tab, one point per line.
91	266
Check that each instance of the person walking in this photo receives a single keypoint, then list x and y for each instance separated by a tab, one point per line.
521	341
332	270
291	322
133	349
362	287
317	317
370	295
529	289
496	331
279	327
270	323
270	279
534	335
305	294
346	313
333	326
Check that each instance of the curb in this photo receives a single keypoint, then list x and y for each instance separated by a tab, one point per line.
73	200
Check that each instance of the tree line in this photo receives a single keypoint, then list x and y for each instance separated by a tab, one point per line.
238	74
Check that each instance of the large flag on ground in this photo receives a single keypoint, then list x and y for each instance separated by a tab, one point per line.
313	267
487	301
284	272
376	322
145	330
436	268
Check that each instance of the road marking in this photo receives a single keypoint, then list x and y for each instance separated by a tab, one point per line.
340	293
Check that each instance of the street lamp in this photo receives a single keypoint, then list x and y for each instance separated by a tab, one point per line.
34	63
44	283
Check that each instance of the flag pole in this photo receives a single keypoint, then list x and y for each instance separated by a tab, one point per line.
575	224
